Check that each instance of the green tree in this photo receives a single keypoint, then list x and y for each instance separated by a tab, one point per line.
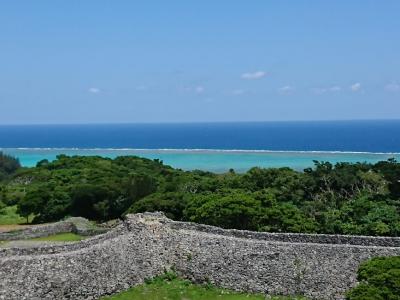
8	165
379	279
234	210
2	206
171	203
286	217
90	201
33	202
390	170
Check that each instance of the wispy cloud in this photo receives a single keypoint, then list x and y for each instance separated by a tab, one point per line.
335	89
286	90
94	90
355	87
254	75
392	87
238	92
332	89
199	89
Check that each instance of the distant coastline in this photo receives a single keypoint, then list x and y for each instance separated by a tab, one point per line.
215	147
214	160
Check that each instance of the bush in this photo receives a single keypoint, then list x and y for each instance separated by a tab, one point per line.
92	187
236	209
344	198
8	165
379	279
2	206
172	204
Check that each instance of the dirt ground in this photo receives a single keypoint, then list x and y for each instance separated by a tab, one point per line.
5	228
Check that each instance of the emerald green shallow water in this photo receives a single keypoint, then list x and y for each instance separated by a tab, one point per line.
209	160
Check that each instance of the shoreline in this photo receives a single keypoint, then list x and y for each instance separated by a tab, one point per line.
212	160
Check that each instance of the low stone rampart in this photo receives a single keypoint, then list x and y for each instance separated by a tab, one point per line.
318	266
77	225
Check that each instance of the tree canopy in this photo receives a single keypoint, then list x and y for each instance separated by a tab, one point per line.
345	198
8	165
379	280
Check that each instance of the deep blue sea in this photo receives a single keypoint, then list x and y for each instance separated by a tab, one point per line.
211	146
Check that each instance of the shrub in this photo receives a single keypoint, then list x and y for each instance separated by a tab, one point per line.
379	279
8	165
236	209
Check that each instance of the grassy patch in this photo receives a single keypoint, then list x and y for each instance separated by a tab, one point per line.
169	287
9	216
60	237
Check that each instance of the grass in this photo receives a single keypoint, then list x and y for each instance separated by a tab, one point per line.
169	287
60	237
9	216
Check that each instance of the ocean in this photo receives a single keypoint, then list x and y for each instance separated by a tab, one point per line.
215	147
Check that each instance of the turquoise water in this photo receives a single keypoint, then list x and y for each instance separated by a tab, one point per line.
302	142
209	160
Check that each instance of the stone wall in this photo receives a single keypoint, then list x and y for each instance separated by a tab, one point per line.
318	266
77	225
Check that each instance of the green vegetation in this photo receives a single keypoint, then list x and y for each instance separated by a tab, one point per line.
60	237
344	198
8	165
169	287
9	216
379	280
91	187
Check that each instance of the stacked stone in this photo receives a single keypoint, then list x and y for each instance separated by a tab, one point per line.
145	245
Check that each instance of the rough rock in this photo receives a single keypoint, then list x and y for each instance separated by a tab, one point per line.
145	245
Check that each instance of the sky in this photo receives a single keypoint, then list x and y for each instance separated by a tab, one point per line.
98	61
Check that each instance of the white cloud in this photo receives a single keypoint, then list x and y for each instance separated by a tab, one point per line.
335	89
355	87
332	89
392	87
94	90
286	90
254	75
199	89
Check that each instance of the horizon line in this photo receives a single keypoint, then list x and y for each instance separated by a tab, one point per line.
197	122
196	150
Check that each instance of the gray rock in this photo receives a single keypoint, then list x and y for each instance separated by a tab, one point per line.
145	245
77	225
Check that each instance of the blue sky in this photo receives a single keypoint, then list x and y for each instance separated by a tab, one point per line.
98	61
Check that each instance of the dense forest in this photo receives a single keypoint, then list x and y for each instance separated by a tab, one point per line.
344	198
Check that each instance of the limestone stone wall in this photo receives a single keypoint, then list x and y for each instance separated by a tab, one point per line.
74	224
318	266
